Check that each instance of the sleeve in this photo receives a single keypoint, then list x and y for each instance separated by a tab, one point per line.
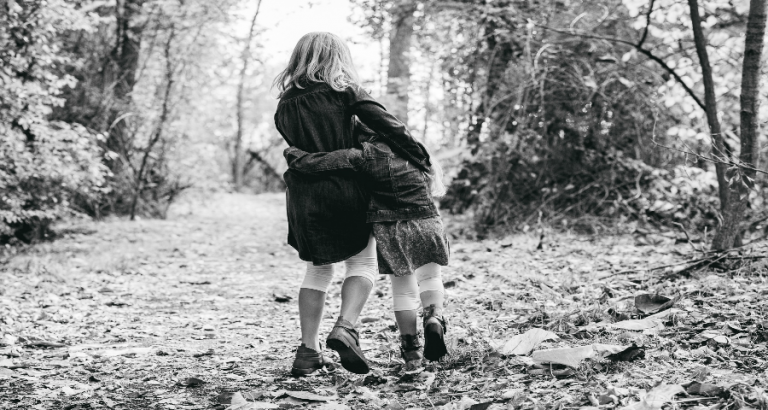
306	163
386	125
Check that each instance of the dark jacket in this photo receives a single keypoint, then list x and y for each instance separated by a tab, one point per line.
399	191
327	213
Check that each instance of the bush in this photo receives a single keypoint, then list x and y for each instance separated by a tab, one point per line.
43	164
512	190
42	176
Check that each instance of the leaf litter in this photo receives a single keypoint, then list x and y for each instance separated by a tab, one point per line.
199	312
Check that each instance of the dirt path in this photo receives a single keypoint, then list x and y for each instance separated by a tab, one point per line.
183	313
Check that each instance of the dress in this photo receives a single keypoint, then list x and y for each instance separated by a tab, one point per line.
404	246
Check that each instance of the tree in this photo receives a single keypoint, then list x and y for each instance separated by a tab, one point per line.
743	174
719	152
238	160
398	73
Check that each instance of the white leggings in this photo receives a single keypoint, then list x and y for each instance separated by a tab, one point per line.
363	265
406	289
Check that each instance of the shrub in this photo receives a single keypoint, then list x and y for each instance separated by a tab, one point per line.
41	177
43	164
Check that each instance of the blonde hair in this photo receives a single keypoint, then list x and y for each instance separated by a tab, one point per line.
435	177
318	57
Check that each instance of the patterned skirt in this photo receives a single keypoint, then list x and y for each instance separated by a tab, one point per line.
404	246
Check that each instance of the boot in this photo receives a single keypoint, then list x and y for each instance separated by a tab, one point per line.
308	361
344	339
434	333
410	351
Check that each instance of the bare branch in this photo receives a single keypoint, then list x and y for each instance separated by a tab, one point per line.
647	24
642	50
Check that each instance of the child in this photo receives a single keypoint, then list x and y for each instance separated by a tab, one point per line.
408	231
319	99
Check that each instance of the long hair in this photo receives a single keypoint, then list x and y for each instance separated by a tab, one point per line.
435	177
318	57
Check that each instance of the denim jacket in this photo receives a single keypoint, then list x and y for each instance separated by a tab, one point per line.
399	191
327	212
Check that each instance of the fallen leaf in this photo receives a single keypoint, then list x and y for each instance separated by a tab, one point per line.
44	343
627	355
282	297
656	398
305	395
636	324
191	382
705	389
122	352
572	356
332	406
525	343
569	356
650	304
209	352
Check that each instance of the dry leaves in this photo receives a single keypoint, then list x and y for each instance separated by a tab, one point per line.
199	312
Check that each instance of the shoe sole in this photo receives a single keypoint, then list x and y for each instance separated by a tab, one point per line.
350	359
298	372
434	342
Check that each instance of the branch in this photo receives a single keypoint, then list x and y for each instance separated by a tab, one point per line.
646	52
647	24
714	161
94	6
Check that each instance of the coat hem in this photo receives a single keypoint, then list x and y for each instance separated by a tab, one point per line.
321	263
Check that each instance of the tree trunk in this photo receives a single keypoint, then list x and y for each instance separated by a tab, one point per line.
238	161
157	135
719	152
122	70
750	110
399	73
484	114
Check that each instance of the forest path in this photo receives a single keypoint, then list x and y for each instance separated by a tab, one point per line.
172	314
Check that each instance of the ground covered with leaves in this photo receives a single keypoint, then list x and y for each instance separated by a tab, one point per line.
198	312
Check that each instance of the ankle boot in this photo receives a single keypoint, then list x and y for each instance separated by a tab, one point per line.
410	351
434	333
345	340
307	361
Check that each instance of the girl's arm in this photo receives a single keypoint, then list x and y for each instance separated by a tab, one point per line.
375	116
306	163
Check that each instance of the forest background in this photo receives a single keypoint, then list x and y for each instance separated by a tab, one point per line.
605	160
592	116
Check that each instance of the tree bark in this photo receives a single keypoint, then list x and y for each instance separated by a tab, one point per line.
237	156
399	73
710	101
122	68
750	110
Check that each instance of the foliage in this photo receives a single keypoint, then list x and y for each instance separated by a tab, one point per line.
608	190
548	96
44	165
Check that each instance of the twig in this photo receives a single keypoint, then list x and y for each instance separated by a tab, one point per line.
714	161
690	262
678	224
647	25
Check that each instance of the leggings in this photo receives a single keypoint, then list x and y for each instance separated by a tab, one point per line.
363	265
406	289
